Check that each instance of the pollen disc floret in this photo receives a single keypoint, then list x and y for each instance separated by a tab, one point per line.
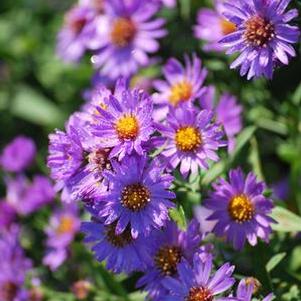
180	92
199	294
66	225
123	32
188	139
118	241
127	127
259	31
241	208
135	197
167	259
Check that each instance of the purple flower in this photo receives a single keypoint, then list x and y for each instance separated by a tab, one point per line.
281	189
170	246
26	197
201	213
212	26
183	84
138	197
121	252
7	214
14	266
245	291
240	209
196	282
63	226
125	123
190	139
263	36
18	154
127	33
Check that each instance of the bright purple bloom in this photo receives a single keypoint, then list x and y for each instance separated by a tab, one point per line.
201	213
212	26
182	84
191	139
63	226
139	197
240	209
125	123
121	252
245	291
28	196
263	36
18	154
7	214
14	266
170	246
196	280
127	33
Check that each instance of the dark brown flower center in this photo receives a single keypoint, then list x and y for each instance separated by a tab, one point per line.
258	31
135	197
123	32
167	259
199	294
8	291
100	158
121	240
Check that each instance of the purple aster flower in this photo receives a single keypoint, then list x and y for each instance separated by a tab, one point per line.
28	196
182	84
73	38
121	252
138	197
18	154
212	26
167	3
63	226
245	291
228	113
263	36
196	282
127	33
126	121
240	209
170	246
281	189
7	214
201	213
190	139
14	266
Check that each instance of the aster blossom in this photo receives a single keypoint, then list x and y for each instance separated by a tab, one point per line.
190	139
138	196
240	209
127	34
263	36
196	282
182	84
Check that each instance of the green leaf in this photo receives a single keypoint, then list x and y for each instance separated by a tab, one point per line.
287	221
274	261
178	216
215	171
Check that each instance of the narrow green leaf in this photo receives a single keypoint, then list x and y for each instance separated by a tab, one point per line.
274	261
287	221
178	216
215	171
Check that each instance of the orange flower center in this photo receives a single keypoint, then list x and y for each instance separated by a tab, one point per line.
227	26
241	209
121	240
180	92
258	31
127	127
167	259
66	225
123	32
188	139
199	294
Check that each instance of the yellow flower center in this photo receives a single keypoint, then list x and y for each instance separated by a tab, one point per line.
180	92
127	127
167	259
199	294
241	209
227	26
135	197
121	240
66	225
123	32
188	139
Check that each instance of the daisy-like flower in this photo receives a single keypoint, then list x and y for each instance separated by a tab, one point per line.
170	246
190	139
196	283
240	209
263	36
212	26
121	252
126	121
182	84
127	33
139	197
245	291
